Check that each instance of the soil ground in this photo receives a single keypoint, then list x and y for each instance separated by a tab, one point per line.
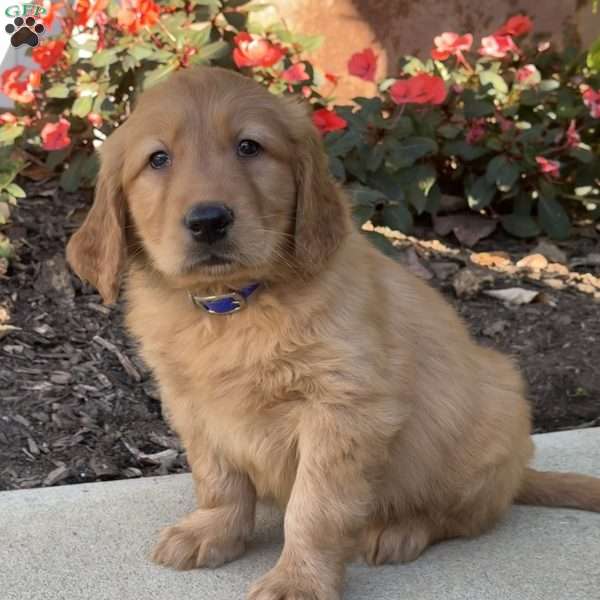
77	405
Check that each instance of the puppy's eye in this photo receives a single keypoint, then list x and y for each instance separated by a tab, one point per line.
159	160
248	148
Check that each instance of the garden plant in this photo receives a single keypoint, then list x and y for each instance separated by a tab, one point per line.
509	123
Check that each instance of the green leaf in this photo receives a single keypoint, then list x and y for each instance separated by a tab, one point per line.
106	57
397	217
475	108
58	90
82	106
494	80
553	217
464	150
502	172
153	77
336	166
480	193
582	155
449	131
362	195
375	157
140	51
210	52
593	57
339	143
15	190
71	177
236	19
9	133
406	152
522	226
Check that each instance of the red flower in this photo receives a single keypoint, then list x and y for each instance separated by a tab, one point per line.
420	89
328	120
95	119
88	9
254	51
16	89
363	64
528	75
498	46
451	44
476	131
295	74
51	14
591	98
35	79
516	26
137	14
48	54
549	167
55	136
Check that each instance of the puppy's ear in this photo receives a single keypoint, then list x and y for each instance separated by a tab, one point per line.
97	251
322	214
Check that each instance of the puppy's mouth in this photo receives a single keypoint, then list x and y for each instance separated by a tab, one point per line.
210	261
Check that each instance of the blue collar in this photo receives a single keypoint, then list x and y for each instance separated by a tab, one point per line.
225	304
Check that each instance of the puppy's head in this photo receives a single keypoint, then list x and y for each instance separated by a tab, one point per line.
211	180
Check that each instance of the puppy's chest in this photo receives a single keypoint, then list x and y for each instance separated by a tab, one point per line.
245	398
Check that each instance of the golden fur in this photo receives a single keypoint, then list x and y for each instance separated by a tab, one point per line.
347	391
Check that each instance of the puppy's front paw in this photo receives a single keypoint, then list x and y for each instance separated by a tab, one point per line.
279	584
194	542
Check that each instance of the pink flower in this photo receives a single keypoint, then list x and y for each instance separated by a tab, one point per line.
254	51
516	26
7	118
420	89
451	44
591	98
363	64
328	120
528	76
55	136
295	74
549	167
17	89
573	138
498	46
476	131
95	120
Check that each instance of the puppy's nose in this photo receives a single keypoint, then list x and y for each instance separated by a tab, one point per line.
208	222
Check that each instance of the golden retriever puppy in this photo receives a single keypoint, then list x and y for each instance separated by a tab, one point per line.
296	362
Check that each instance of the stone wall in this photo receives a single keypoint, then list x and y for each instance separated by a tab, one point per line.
397	27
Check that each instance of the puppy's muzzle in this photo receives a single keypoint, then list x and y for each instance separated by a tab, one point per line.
208	223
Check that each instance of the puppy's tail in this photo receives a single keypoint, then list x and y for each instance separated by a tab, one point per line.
567	490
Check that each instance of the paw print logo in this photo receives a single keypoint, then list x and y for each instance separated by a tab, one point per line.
25	31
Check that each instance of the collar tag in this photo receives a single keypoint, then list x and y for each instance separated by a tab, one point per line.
224	304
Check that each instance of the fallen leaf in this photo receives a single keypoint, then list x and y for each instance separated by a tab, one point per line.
536	262
415	265
514	295
467	228
495	328
467	283
444	270
591	260
551	251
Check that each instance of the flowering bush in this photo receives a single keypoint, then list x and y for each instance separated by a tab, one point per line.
510	126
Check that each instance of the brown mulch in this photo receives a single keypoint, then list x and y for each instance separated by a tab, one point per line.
77	405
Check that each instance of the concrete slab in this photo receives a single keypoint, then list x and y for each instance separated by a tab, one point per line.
91	542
